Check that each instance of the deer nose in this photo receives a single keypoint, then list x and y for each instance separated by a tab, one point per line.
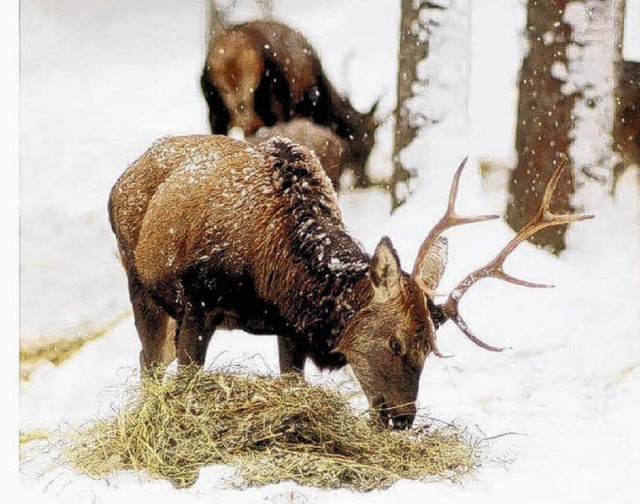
403	422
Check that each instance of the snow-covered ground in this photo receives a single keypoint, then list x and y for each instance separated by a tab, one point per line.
101	80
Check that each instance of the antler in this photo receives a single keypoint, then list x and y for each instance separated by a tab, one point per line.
449	219
543	219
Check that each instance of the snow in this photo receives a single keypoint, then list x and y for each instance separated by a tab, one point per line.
101	81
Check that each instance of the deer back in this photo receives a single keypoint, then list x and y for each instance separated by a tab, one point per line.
196	200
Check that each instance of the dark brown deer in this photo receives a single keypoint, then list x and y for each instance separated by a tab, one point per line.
216	233
332	151
626	129
263	72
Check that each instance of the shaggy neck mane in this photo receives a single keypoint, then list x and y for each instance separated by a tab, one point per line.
320	275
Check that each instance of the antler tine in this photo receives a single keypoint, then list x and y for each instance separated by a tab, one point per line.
462	325
432	340
448	220
542	219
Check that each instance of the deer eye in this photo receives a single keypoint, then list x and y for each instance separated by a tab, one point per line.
395	346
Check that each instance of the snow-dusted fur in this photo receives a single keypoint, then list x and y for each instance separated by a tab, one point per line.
568	389
332	151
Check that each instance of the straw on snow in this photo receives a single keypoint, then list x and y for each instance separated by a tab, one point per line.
270	429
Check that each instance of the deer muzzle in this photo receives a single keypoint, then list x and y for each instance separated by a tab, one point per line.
403	422
401	417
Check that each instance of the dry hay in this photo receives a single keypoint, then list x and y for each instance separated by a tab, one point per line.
34	435
270	429
60	349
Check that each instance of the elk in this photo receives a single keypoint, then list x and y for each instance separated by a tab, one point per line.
216	233
332	151
263	72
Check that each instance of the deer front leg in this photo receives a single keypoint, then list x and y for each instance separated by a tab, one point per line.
292	355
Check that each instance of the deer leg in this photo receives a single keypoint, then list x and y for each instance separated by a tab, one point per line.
194	334
292	355
360	176
154	328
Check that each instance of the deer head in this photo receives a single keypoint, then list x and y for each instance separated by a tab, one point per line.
237	70
386	342
358	129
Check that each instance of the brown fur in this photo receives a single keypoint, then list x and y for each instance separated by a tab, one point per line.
626	130
216	233
263	72
324	143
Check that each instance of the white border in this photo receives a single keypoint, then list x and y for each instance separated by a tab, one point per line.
9	126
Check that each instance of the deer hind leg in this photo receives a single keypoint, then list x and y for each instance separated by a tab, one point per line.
195	330
292	355
155	329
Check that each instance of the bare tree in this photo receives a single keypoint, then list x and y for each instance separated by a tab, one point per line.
544	121
413	49
569	104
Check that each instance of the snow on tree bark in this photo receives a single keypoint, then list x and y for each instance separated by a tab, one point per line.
597	30
412	48
545	120
433	71
566	104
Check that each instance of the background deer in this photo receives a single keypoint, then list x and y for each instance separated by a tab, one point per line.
263	72
216	233
626	127
332	151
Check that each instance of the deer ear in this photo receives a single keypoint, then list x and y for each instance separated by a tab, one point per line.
374	107
385	271
432	268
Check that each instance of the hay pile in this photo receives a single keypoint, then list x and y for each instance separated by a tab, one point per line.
271	429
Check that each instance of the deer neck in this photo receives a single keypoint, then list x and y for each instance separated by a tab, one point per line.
322	321
318	283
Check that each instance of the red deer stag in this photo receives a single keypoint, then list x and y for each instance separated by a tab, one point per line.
329	147
262	72
216	233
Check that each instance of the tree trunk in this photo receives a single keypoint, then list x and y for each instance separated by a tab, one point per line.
544	121
413	48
